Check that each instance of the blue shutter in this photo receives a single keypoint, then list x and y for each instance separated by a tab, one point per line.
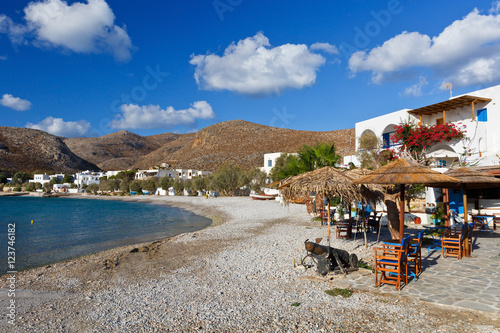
482	115
386	140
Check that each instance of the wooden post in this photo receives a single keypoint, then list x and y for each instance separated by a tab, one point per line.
402	212
328	222
466	214
473	113
444	116
420	123
446	206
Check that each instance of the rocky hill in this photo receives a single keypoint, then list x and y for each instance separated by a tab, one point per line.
118	151
236	141
24	149
242	143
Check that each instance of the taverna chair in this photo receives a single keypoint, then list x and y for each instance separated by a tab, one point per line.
452	242
391	262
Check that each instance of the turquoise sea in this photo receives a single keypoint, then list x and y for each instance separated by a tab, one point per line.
65	228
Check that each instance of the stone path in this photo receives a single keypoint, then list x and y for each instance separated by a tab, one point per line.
472	283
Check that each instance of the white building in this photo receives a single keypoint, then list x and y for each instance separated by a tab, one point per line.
155	173
87	178
40	178
191	173
477	113
270	162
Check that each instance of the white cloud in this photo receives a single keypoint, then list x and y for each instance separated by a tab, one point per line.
252	67
325	47
467	44
151	116
416	89
80	27
15	103
59	127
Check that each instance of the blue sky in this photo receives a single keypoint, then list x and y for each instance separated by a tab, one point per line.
90	68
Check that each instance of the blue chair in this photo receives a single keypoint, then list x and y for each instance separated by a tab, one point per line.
415	255
391	262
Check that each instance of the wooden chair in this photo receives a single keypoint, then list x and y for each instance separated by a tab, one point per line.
344	229
391	262
469	236
452	243
414	256
373	222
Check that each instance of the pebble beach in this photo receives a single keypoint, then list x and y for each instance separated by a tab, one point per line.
241	274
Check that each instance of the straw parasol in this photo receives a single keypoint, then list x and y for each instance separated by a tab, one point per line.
471	179
326	182
406	171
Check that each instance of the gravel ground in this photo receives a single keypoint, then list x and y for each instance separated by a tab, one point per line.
236	276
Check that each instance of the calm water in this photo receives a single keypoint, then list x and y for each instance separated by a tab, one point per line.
65	228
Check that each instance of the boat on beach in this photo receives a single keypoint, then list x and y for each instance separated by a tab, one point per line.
263	196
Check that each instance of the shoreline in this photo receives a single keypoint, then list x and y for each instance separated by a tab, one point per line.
236	275
217	218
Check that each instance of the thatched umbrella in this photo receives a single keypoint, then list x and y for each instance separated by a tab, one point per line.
405	171
471	179
326	182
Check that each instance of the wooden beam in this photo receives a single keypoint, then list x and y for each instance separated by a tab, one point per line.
473	113
444	116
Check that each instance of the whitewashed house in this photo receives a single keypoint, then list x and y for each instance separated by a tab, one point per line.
191	173
87	178
40	178
477	113
155	173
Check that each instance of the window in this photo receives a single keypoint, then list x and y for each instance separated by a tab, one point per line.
270	163
387	139
482	115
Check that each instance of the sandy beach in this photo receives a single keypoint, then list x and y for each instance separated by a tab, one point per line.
238	275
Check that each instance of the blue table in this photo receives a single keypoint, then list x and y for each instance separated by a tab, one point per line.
484	220
436	242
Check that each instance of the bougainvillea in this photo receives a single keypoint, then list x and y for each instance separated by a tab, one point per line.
415	139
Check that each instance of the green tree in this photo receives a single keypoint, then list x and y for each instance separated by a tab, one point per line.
200	184
178	185
124	185
149	184
20	177
68	178
166	182
287	165
48	187
29	187
136	186
92	188
130	174
319	156
256	179
227	179
369	151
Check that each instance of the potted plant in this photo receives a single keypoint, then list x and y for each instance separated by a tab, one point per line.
438	216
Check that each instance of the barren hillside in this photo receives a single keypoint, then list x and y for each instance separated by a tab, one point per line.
24	149
242	143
